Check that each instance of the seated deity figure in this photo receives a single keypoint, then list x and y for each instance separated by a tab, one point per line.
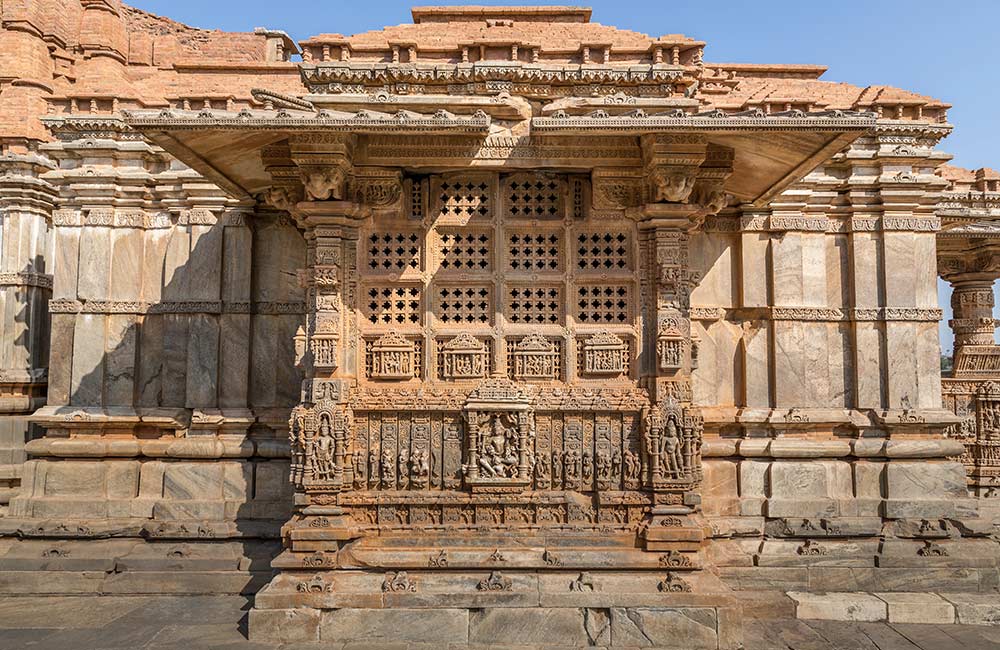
499	456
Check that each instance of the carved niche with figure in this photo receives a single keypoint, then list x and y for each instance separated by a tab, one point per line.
500	344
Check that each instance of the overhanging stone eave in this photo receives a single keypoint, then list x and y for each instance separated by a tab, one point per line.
771	152
225	146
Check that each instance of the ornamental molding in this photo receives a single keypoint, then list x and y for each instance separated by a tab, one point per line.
26	279
715	120
542	398
385	150
363	121
69	306
750	222
816	314
140	219
491	77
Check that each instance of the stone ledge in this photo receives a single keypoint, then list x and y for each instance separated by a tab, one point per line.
899	607
665	626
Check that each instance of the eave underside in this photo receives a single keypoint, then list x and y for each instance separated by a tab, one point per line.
770	152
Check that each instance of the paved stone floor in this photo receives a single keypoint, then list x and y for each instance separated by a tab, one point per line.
219	623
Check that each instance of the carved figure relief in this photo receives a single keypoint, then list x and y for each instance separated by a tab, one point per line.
464	357
319	437
672	184
392	357
323	183
456	393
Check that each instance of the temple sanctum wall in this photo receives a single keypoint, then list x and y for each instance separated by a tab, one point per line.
499	309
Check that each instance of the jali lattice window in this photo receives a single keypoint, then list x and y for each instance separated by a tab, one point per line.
534	196
535	252
464	304
534	305
465	198
393	305
466	251
602	251
603	304
393	252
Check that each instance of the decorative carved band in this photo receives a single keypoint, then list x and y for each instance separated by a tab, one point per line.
139	219
64	306
26	279
817	314
751	222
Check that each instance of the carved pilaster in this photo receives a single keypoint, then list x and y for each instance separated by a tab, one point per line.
972	273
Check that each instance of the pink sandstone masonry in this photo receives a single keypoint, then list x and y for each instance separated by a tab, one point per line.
502	326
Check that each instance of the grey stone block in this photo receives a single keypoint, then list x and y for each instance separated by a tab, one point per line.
284	625
410	625
533	626
644	627
843	606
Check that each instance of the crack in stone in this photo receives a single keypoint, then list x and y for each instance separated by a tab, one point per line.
636	620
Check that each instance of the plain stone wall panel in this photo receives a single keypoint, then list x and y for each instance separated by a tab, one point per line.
755	260
95	264
203	361
88	361
126	264
150	361
120	360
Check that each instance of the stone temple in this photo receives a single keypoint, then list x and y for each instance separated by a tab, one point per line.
500	327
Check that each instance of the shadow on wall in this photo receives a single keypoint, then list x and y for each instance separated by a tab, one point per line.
175	378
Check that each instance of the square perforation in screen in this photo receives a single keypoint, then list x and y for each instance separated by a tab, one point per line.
534	197
534	305
602	251
536	252
393	252
464	305
466	251
603	304
393	305
465	198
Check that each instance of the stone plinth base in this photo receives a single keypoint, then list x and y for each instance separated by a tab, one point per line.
496	607
130	566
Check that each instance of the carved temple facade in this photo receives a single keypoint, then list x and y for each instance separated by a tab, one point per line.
498	309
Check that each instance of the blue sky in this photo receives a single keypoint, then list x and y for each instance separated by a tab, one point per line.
947	50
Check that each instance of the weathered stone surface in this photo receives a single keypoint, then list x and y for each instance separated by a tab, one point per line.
437	625
975	609
494	362
664	627
917	608
843	606
285	625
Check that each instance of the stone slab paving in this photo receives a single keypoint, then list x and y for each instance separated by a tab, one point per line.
219	623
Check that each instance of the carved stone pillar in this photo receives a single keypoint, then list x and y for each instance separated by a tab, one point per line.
26	204
972	309
684	179
971	273
319	427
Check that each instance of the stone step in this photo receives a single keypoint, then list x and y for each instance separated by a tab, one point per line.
899	607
